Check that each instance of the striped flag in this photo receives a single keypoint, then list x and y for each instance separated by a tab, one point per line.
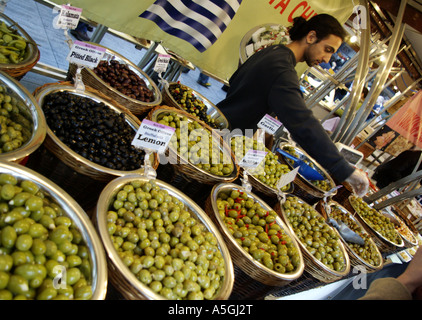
200	22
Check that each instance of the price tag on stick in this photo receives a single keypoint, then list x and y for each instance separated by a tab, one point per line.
85	54
153	136
250	162
68	17
252	159
161	63
269	124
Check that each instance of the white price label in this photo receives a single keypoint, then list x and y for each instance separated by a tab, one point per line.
85	54
269	124
252	158
153	136
162	63
285	179
68	17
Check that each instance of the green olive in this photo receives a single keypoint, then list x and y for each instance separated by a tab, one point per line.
40	242
166	246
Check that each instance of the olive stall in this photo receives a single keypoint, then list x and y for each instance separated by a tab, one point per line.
189	223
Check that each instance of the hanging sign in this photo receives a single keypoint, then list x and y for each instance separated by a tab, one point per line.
68	17
153	136
269	124
85	54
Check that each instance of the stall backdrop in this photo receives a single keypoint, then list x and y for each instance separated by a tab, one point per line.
219	53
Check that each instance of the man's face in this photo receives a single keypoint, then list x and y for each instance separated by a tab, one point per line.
321	51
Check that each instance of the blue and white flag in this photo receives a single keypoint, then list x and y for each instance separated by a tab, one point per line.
200	22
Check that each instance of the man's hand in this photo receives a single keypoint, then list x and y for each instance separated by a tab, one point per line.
359	182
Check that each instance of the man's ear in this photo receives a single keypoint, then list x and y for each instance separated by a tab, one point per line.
311	37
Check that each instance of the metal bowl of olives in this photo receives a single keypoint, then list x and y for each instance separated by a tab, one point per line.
378	225
366	255
188	137
263	248
116	76
30	55
326	258
48	210
316	188
81	161
176	253
23	126
180	96
403	226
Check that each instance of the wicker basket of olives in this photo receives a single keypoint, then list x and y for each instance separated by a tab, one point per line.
22	123
123	81
366	255
309	190
195	150
180	96
260	243
161	244
90	133
49	249
325	256
265	176
20	53
378	226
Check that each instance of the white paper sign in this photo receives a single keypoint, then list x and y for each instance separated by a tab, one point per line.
252	158
68	17
162	63
285	179
269	124
153	136
85	54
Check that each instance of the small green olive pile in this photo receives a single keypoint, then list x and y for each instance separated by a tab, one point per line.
42	254
324	185
269	170
375	220
314	233
185	97
15	129
368	251
195	143
257	232
161	242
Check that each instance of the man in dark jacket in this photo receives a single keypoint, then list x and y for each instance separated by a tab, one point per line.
267	83
397	168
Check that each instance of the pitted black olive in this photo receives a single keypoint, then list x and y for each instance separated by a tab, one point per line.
93	130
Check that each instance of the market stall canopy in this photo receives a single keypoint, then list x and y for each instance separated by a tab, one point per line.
407	121
221	58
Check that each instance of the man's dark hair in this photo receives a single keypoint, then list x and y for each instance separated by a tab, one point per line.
322	24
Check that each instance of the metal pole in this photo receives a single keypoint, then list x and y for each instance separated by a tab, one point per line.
390	103
401	197
393	186
381	77
361	71
98	33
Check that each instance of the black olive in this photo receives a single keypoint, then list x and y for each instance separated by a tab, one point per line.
92	129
